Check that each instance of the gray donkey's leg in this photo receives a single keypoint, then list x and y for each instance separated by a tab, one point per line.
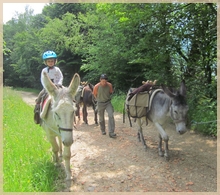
140	132
163	136
160	151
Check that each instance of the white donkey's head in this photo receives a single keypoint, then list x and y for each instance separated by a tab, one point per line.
63	107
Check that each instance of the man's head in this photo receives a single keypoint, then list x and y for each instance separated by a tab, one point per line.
103	79
103	76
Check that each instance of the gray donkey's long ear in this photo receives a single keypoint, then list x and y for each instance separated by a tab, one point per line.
167	91
183	88
75	82
48	84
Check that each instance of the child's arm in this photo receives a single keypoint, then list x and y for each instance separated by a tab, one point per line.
60	82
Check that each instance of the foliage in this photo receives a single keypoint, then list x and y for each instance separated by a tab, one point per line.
208	125
27	165
130	42
203	110
5	49
118	101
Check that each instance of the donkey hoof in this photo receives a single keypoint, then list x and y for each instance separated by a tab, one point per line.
167	158
161	153
69	178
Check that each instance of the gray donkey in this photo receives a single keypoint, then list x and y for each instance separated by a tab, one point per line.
163	104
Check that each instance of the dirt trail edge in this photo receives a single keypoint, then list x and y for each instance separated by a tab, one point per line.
102	164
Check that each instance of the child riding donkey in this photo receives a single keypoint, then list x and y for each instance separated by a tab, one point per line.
56	76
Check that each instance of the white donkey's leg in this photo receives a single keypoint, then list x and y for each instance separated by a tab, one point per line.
55	147
60	146
140	122
66	156
165	138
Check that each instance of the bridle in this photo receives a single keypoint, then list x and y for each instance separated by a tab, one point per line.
172	117
65	129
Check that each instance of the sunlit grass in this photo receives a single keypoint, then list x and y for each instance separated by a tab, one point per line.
118	102
27	164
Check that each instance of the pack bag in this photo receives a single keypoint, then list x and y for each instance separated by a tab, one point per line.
137	106
78	94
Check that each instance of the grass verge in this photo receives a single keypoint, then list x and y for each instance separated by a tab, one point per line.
27	164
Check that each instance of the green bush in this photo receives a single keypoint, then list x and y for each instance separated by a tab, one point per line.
204	116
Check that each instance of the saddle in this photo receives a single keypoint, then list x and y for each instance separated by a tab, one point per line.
41	109
83	92
139	104
80	91
40	102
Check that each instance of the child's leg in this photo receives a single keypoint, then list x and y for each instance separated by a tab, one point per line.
39	97
37	107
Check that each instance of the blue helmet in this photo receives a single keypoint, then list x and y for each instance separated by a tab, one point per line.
49	54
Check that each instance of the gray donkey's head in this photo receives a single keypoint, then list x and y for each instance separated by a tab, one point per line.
179	107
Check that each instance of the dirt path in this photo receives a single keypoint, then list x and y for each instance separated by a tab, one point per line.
102	164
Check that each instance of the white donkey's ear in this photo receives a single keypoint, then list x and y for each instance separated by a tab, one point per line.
48	84
75	82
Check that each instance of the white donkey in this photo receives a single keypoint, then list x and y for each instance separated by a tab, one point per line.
58	118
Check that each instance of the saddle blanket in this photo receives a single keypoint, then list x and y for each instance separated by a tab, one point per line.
44	107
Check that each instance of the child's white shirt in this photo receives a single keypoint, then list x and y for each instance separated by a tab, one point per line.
54	74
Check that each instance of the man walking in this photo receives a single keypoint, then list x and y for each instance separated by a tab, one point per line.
102	92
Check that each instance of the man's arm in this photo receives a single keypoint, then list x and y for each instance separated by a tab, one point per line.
111	88
95	90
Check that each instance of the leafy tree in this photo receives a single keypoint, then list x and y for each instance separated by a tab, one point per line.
130	42
63	37
57	10
21	66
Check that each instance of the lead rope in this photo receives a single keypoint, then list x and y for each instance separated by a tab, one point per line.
57	132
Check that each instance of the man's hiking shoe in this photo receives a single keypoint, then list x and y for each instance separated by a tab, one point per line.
103	133
112	135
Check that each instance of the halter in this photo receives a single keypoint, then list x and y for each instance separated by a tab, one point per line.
60	129
65	129
54	130
171	115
